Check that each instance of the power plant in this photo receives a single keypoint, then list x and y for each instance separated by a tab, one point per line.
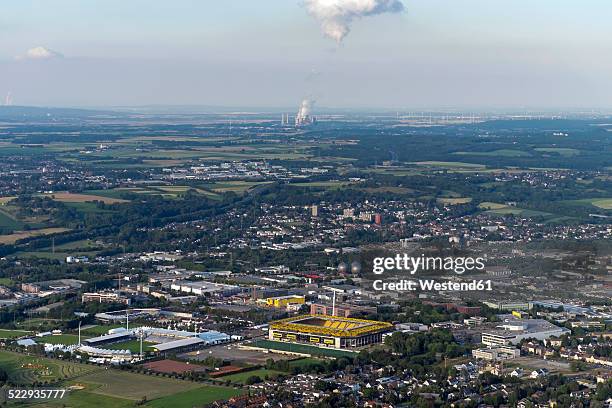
303	117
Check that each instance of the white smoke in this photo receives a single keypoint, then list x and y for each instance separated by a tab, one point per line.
305	108
336	16
40	53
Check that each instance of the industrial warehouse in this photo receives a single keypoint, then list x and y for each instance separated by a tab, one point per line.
329	331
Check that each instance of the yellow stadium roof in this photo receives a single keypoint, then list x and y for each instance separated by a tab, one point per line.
330	325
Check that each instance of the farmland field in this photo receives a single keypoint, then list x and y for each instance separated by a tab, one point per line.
82	198
450	165
497	153
235	186
322	184
4	200
388	189
454	201
491	206
565	152
8	221
16	236
603	203
509	210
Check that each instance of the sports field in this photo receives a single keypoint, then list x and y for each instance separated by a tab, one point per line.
132	345
101	387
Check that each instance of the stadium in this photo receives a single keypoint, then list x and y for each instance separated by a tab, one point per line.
330	331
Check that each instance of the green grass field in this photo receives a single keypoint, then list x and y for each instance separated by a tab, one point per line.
241	378
99	329
195	398
12	334
123	384
238	187
302	349
450	165
454	201
37	323
19	235
603	203
395	171
302	362
83	247
388	189
58	256
8	221
491	206
563	151
165	191
115	192
330	185
24	370
132	345
86	399
102	387
496	153
507	210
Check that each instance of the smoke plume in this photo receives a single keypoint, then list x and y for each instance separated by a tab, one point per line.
305	108
336	16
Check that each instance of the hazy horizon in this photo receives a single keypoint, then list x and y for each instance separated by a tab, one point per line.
436	54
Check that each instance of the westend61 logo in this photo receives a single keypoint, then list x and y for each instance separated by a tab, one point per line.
411	265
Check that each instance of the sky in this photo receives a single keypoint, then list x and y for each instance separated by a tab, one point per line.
455	54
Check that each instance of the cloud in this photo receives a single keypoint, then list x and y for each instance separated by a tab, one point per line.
336	16
40	53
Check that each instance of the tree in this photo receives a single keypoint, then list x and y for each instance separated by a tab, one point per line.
254	379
